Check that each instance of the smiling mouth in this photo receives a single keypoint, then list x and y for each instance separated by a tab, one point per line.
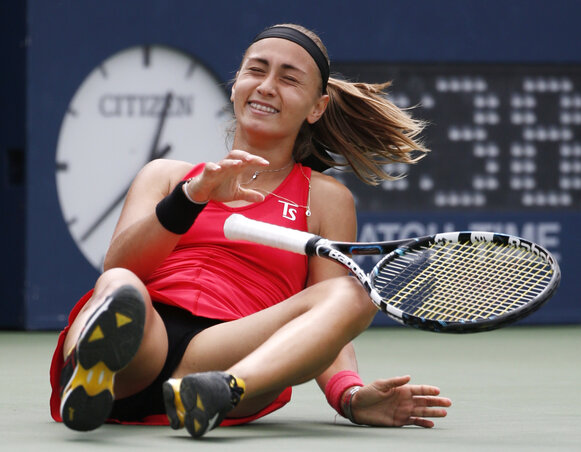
263	108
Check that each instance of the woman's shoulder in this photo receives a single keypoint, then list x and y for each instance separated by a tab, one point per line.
333	206
173	170
328	187
168	165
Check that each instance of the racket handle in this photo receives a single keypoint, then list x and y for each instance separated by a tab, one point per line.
238	227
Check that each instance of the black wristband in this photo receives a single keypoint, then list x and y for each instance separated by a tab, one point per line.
176	212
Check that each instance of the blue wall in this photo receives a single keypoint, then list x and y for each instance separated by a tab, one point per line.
12	159
66	39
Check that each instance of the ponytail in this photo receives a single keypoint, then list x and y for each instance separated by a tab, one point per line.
364	130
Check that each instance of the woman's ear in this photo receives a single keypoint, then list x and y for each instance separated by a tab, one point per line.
318	109
233	87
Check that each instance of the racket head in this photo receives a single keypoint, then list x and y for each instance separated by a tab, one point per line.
461	282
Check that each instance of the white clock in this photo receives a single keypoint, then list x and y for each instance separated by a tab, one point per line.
142	103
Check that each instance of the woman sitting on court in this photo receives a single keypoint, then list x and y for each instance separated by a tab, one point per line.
186	324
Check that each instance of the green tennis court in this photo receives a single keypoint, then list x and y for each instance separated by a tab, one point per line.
512	389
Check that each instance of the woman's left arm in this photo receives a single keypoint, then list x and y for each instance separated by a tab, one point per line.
386	402
334	220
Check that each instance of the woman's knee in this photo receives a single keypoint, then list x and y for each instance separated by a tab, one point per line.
116	277
347	287
348	294
106	284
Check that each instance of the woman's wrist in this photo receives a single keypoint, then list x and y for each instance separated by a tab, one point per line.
187	191
338	391
347	401
176	212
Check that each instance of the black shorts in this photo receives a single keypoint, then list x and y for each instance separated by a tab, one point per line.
181	327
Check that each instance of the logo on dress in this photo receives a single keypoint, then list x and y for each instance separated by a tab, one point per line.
290	210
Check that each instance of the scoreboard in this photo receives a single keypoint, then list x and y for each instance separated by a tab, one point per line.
502	137
505	156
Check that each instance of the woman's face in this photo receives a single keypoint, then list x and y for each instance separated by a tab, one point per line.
277	88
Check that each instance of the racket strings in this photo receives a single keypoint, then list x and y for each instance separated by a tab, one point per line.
488	299
484	294
462	281
481	307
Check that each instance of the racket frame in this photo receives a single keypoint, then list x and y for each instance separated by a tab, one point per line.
467	326
238	227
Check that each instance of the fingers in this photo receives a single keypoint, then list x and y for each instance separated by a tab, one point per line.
246	157
420	422
211	166
249	195
390	383
434	401
424	390
236	159
426	393
420	415
424	408
220	181
429	411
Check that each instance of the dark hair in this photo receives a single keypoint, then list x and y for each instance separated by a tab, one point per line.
361	128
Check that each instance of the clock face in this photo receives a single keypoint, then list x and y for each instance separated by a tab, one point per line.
140	104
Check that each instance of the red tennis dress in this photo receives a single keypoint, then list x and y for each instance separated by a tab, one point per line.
211	276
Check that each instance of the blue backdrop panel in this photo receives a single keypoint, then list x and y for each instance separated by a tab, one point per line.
66	40
552	231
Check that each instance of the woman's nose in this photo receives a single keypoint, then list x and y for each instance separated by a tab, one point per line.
268	86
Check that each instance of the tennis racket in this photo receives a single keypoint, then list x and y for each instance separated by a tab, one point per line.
454	282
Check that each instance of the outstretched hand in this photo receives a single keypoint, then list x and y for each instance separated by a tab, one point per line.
221	181
394	402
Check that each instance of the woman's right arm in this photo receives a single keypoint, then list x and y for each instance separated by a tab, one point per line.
140	243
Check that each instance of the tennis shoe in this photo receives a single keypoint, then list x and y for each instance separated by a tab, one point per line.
107	344
201	401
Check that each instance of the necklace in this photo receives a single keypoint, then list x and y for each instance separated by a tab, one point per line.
258	173
307	207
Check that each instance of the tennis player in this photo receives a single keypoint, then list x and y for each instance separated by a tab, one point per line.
188	328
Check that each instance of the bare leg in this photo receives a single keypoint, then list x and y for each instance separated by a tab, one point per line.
149	359
287	344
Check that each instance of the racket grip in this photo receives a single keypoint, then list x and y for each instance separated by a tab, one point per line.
238	227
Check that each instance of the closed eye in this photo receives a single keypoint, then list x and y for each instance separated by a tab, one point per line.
256	69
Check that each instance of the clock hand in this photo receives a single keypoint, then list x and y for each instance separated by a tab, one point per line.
153	151
166	149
